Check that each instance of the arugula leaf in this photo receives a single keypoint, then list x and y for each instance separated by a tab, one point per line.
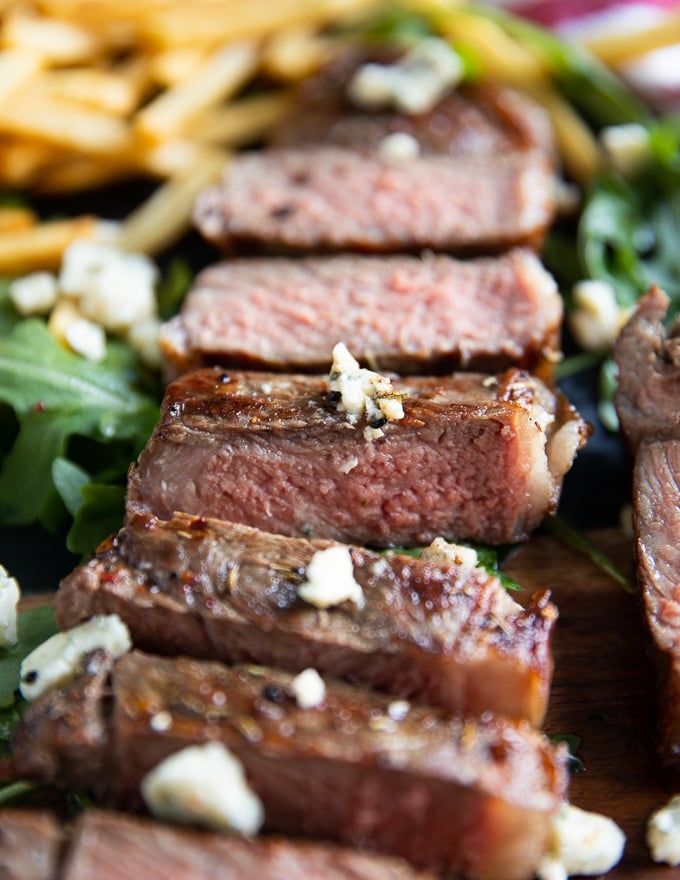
173	287
574	763
34	627
99	516
78	423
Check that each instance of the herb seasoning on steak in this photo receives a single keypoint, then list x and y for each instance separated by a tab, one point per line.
446	793
475	457
449	635
404	313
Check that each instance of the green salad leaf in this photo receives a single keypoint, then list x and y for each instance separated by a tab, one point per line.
77	424
34	626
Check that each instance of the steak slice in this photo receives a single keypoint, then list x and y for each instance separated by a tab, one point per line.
446	793
30	841
648	404
484	119
648	358
656	502
448	635
113	846
399	313
327	198
475	457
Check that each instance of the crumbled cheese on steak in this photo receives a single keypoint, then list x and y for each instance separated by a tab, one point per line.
203	785
363	393
663	833
415	84
9	599
309	689
581	843
330	579
60	658
446	553
399	147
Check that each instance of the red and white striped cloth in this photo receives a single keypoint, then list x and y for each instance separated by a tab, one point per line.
656	76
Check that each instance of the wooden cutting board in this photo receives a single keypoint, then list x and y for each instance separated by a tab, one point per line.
602	689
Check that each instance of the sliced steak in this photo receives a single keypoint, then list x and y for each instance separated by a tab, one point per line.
648	358
656	501
475	457
648	404
446	793
399	313
474	120
112	846
328	198
30	841
449	635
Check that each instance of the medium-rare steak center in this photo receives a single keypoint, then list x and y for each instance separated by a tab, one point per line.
475	457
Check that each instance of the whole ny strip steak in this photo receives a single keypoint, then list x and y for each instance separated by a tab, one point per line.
448	635
648	403
446	793
108	845
475	457
403	313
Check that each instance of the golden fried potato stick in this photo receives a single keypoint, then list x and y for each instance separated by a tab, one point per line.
166	215
65	125
41	246
244	121
218	78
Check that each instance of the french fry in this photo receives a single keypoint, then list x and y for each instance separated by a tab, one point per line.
504	58
42	246
172	66
166	215
580	152
16	219
296	53
57	41
63	124
78	174
218	78
16	69
100	89
243	121
23	161
616	49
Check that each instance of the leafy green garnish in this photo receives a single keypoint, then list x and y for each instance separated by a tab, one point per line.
79	423
574	763
173	287
34	627
575	540
488	558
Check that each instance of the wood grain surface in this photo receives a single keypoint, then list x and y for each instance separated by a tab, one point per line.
602	689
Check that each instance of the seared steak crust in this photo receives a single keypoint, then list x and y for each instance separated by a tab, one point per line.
648	403
446	635
475	457
328	198
446	793
648	357
404	313
112	846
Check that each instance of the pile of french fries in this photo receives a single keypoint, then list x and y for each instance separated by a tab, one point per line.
98	91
